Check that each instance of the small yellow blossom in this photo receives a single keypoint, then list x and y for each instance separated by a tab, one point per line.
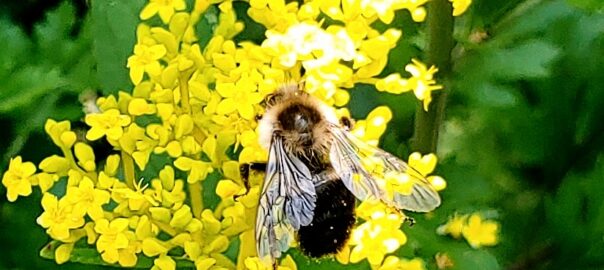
165	8
164	262
55	164
86	199
422	82
480	232
239	97
17	179
112	238
377	237
145	59
460	6
454	226
198	170
58	217
135	200
63	252
60	133
476	230
254	263
394	263
109	123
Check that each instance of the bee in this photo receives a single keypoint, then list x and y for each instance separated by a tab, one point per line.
314	174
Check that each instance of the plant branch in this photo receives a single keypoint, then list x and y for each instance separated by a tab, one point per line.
440	35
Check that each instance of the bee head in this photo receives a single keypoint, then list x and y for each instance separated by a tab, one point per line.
285	92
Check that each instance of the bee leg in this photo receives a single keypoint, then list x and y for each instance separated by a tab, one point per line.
244	169
347	122
410	220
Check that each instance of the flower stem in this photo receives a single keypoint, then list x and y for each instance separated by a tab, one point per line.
183	80
128	164
195	189
165	227
195	193
440	32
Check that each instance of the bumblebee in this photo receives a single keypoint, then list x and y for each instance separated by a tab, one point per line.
316	170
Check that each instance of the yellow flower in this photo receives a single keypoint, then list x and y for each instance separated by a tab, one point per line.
85	156
87	199
134	200
165	8
58	217
60	133
454	226
239	97
63	253
112	238
145	59
166	189
425	165
108	123
255	263
479	232
460	6
17	179
164	262
394	263
198	170
376	237
422	82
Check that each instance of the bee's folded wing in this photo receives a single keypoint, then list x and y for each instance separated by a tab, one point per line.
349	157
286	203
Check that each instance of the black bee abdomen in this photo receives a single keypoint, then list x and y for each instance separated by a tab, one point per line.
332	222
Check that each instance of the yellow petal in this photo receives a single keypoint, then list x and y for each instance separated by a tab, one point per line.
63	253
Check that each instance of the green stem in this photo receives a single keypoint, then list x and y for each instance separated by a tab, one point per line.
128	164
183	80
440	32
195	193
195	189
165	227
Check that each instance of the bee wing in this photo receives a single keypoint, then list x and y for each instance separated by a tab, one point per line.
346	156
286	203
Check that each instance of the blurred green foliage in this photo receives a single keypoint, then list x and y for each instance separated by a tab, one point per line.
522	142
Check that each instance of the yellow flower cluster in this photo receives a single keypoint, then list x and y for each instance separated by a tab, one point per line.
474	228
195	108
380	234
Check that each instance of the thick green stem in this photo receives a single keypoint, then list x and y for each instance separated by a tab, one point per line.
440	34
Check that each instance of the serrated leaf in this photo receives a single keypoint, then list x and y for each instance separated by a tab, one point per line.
114	24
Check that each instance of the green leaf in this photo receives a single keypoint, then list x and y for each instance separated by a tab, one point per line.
27	85
114	24
591	5
474	259
205	28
